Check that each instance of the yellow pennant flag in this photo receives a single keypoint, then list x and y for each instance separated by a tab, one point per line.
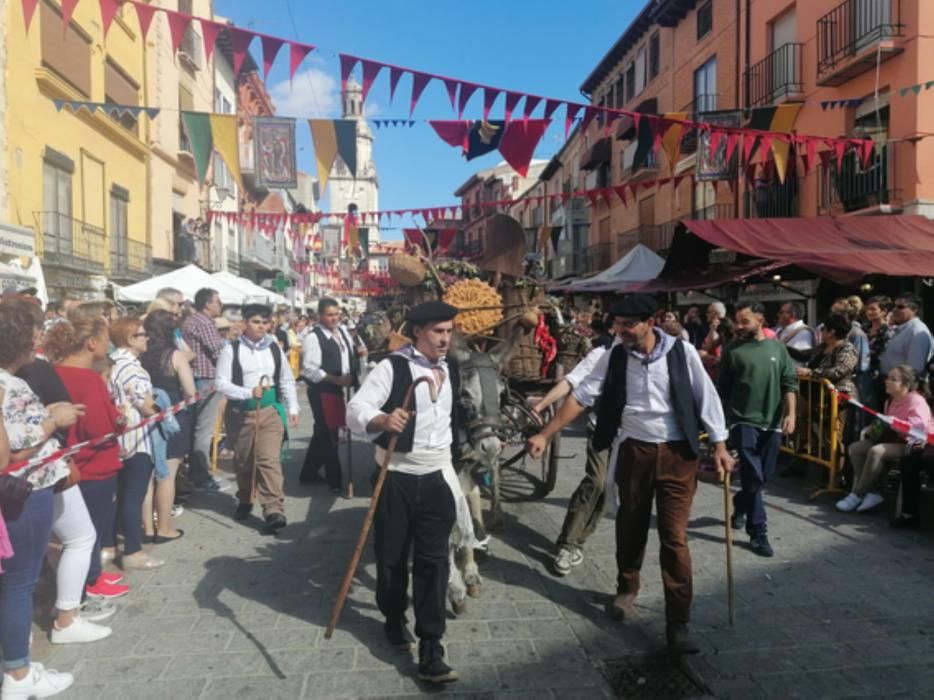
353	236
227	143
782	121
671	141
325	138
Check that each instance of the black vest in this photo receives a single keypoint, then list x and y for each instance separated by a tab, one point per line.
331	361
401	381
236	369
612	399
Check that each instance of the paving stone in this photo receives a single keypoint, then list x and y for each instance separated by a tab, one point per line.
492	652
188	689
530	629
90	671
352	684
268	688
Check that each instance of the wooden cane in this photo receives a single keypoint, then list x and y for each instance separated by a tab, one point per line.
264	383
371	511
729	544
349	437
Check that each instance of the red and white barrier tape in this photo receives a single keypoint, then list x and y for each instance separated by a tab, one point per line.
109	437
902	426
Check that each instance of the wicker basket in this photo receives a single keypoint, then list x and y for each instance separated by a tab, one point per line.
526	360
407	270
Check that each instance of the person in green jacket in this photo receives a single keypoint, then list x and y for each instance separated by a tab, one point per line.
759	388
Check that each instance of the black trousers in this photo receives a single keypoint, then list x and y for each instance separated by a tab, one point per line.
910	468
322	450
414	513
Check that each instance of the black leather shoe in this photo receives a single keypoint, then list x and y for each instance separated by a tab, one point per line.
680	641
760	545
738	520
431	666
275	522
907	522
243	511
397	634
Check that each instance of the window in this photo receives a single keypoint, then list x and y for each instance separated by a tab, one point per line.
119	225
122	90
654	56
705	87
641	61
57	172
221	103
704	20
630	82
69	55
620	91
186	102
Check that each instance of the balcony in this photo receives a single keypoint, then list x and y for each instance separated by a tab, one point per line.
773	200
567	264
854	36
129	260
233	260
715	211
852	188
189	52
695	111
656	237
598	257
776	78
68	243
262	252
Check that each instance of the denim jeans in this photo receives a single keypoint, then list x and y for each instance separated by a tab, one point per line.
205	417
99	498
758	453
29	527
132	482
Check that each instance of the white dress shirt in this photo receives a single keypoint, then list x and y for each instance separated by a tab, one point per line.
311	354
796	335
432	420
585	366
256	361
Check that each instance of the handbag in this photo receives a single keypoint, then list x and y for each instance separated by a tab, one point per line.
14	489
73	478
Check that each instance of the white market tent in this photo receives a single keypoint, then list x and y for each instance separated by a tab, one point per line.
639	265
253	291
188	280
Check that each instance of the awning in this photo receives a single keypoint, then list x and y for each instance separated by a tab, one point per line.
628	273
709	277
600	153
840	248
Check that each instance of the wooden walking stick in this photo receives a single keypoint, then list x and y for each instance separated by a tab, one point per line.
729	544
371	511
349	437
264	383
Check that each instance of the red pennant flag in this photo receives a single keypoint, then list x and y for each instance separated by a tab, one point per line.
209	32
607	194
451	86
68	9
633	191
715	137
676	181
550	107
297	53
865	148
108	12
825	157
347	65
29	9
594	197
178	25
519	141
271	46
531	102
646	186
839	150
732	140
572	110
489	98
419	83
811	154
621	193
765	146
395	75
466	91
749	143
589	114
512	99
144	14
370	73
240	40
453	133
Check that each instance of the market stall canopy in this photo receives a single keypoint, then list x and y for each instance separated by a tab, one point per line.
628	273
841	248
188	280
15	277
254	291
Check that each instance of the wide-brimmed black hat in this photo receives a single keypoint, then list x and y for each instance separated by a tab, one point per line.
635	306
431	312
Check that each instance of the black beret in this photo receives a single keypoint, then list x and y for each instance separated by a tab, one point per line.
248	311
431	312
635	306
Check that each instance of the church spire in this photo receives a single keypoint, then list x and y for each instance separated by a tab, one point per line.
352	98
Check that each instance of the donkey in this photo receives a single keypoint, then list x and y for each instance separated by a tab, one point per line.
482	387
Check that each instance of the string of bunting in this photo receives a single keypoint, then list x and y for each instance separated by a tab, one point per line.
459	91
897	424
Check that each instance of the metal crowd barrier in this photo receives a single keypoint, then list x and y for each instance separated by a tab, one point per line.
817	437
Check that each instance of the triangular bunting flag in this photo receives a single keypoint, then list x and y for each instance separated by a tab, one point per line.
144	14
589	113
550	107
68	10
731	142
324	138
453	133
572	110
916	89
240	40
209	32
200	135
271	46
29	9
395	74
178	25
864	147
512	99
839	150
765	146
227	142
297	53
451	86
531	102
108	12
345	131
621	193
489	99
151	112
58	105
371	70
749	144
464	95
419	83
348	63
519	141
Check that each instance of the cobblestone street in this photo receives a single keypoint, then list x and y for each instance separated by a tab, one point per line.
843	610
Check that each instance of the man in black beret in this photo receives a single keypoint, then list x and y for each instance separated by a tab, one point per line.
417	506
655	397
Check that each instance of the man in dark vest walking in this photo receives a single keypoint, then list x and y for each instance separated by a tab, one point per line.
329	365
655	398
418	504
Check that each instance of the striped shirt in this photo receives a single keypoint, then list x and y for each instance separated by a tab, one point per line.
202	337
131	386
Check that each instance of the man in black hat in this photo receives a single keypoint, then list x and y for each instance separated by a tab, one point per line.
655	397
417	506
260	413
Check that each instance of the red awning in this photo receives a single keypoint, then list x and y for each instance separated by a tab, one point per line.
900	246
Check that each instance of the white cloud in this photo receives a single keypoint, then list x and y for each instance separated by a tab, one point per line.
313	93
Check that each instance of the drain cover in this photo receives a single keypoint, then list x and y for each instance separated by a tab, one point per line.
650	677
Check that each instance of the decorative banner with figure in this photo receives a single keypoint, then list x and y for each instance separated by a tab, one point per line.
274	152
716	166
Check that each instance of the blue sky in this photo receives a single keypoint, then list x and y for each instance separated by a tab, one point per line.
547	47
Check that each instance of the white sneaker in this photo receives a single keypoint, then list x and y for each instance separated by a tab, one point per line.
870	501
568	558
38	683
96	609
80	631
849	504
177	511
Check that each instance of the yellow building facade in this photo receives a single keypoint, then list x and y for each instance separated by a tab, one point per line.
78	179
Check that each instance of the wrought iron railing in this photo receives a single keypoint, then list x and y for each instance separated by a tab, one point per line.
854	25
852	187
129	258
776	76
67	242
598	257
695	110
656	237
773	200
191	47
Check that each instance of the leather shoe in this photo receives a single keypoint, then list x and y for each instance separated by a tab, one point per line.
431	666
680	641
275	522
243	511
760	545
738	520
622	607
397	634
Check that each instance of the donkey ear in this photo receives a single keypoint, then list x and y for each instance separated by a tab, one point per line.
503	350
459	350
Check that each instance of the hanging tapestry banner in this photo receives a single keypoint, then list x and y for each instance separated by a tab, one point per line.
330	241
274	152
716	166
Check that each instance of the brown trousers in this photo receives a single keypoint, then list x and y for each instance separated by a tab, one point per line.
666	472
268	432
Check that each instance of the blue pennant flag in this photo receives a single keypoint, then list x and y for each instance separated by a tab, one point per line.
58	105
824	105
151	112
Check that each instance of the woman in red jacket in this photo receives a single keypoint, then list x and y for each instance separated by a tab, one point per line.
79	350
